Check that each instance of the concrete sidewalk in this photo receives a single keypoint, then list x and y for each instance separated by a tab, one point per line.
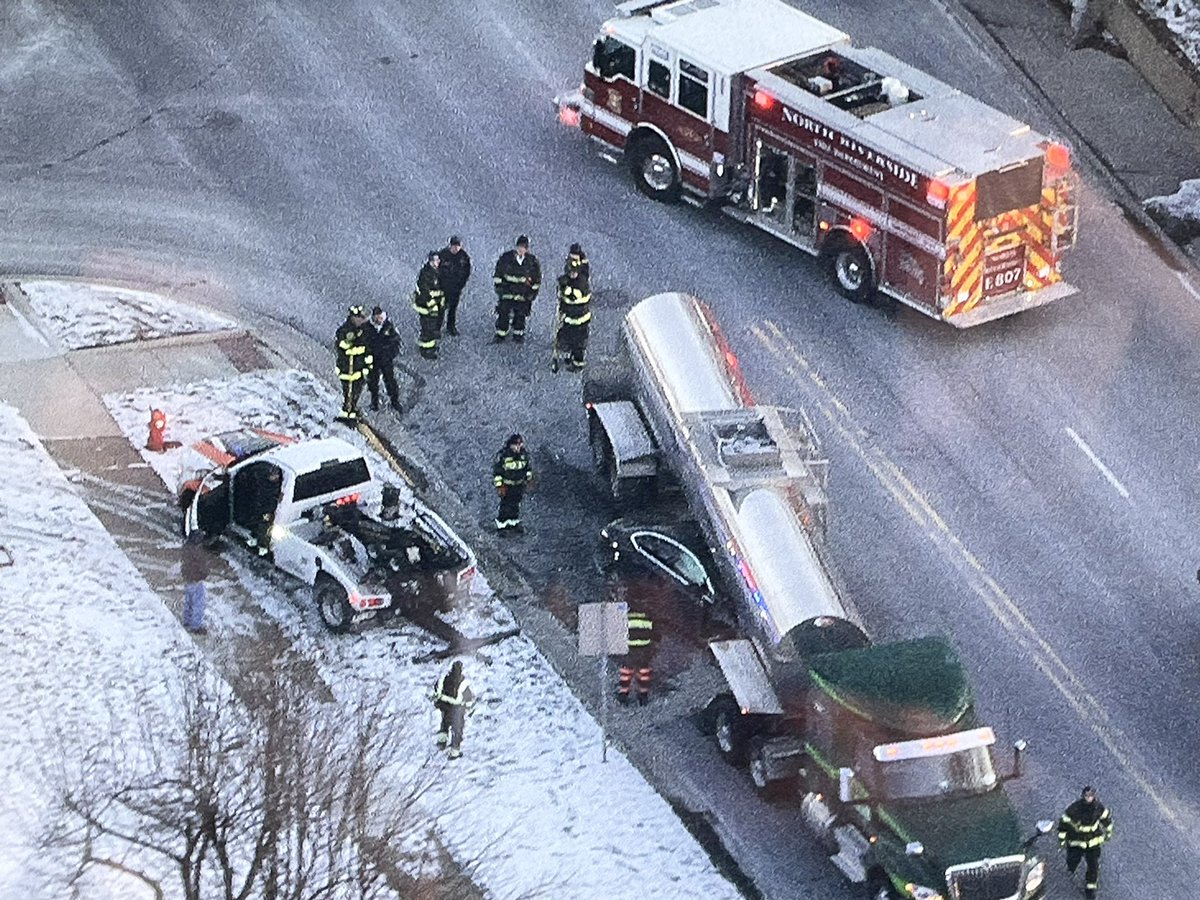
1120	129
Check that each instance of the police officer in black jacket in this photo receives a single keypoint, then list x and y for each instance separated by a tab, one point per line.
384	343
453	272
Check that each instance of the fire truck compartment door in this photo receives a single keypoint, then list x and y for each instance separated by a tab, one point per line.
633	447
747	677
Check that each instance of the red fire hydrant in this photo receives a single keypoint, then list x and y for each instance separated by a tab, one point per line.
158	427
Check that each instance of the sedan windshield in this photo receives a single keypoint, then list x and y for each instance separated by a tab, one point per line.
966	772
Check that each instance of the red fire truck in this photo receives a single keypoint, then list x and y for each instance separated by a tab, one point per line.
901	184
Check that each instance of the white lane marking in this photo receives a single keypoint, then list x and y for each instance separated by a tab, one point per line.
1187	285
1104	470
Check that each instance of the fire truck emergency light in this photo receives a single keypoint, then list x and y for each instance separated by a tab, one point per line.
763	100
1058	156
937	193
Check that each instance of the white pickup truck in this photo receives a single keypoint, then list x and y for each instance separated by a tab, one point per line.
313	508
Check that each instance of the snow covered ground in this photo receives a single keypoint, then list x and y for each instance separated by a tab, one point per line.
81	315
89	654
1183	18
530	804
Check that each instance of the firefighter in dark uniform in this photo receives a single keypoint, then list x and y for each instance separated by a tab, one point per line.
638	659
384	343
517	280
453	698
453	272
511	473
353	361
427	301
1083	829
574	308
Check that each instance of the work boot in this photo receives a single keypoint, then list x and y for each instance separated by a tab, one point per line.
643	699
396	406
518	338
623	697
1089	893
517	528
452	331
498	338
455	752
374	405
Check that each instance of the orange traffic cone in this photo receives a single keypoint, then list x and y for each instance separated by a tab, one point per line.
158	426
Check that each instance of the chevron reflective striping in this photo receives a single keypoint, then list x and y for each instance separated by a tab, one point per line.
964	269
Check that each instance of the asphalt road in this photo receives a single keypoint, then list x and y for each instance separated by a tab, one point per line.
1027	487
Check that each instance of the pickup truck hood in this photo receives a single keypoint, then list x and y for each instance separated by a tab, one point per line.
958	830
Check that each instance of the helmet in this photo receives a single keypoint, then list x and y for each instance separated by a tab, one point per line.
433	256
522	241
357	310
576	250
514	439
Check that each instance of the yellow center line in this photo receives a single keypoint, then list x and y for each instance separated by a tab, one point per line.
1002	607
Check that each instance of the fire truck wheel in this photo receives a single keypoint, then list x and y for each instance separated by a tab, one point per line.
851	270
879	886
333	604
655	170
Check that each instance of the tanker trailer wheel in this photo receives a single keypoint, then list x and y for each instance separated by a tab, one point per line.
333	604
851	269
729	730
654	169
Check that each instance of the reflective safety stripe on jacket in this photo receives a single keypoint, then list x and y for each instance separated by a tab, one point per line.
641	630
1074	829
464	696
511	468
353	358
429	296
574	303
515	280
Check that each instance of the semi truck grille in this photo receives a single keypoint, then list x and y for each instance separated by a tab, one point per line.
991	879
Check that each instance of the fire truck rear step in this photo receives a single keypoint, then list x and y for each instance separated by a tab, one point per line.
852	850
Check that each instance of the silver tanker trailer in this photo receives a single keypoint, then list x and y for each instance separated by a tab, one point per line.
879	744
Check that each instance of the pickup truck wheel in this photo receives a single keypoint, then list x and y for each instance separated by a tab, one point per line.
654	170
333	604
851	270
729	731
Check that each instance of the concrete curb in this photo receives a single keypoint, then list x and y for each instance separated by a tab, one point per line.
1083	149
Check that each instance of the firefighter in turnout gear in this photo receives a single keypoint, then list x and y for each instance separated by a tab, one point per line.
427	301
353	361
511	473
1083	829
453	698
517	280
574	308
637	660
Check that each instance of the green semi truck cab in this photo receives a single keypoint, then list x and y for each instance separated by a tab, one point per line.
898	776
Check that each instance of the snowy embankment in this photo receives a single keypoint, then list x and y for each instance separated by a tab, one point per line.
89	657
530	806
92	658
1182	17
1179	213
